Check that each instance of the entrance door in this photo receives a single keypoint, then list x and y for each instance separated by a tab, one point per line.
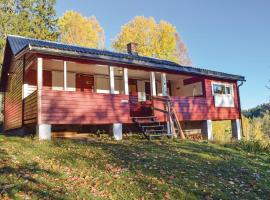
84	83
142	108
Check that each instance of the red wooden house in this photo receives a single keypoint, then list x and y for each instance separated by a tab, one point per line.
49	84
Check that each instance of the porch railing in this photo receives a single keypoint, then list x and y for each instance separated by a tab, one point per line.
171	115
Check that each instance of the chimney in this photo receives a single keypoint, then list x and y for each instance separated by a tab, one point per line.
132	48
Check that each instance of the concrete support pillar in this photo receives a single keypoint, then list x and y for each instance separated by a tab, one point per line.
111	79
117	131
164	84
65	75
207	129
125	80
153	84
44	131
236	129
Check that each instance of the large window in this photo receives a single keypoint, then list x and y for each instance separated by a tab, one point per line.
220	88
223	94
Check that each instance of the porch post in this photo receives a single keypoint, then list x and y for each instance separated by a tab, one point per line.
39	74
43	130
125	80
111	76
65	75
153	84
164	84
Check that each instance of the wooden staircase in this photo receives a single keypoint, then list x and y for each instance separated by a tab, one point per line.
171	116
150	127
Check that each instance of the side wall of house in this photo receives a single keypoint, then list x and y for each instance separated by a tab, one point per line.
202	108
13	105
221	113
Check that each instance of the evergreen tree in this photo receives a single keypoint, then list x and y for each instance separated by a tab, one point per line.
30	18
44	21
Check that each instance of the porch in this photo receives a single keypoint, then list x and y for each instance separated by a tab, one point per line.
76	89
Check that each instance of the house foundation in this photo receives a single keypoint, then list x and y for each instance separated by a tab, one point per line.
236	129
207	129
44	131
117	131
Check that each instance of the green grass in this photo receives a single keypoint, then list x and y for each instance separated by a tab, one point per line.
130	169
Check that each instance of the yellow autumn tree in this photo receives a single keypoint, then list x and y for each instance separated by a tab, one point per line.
154	39
79	30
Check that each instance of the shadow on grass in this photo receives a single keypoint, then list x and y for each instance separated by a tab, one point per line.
17	178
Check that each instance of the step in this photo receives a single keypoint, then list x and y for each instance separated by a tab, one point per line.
155	131
145	117
160	135
152	126
137	119
148	123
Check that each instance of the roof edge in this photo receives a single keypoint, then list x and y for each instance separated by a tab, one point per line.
180	69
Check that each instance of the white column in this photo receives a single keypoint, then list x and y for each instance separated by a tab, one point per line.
164	84
236	129
65	75
125	80
39	73
153	84
43	130
111	77
207	129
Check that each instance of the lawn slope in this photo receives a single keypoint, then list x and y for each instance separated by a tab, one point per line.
130	169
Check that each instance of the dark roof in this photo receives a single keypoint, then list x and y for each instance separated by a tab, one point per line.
18	44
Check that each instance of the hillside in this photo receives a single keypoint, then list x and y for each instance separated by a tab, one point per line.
258	111
130	169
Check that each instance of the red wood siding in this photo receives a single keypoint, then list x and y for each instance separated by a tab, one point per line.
30	109
13	98
201	108
63	107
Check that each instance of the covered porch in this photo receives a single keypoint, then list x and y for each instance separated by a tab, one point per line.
83	84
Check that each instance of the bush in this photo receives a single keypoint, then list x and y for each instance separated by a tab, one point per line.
252	146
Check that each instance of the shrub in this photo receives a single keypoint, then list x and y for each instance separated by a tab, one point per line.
255	146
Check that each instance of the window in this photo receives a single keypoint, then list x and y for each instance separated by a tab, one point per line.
221	88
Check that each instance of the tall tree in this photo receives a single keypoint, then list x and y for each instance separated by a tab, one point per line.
7	16
77	29
182	52
44	19
31	18
159	40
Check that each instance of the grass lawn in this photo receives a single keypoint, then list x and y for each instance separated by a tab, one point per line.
130	169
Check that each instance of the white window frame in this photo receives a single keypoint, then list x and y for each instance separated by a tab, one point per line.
226	85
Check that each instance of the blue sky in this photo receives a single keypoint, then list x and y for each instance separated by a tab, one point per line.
229	36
